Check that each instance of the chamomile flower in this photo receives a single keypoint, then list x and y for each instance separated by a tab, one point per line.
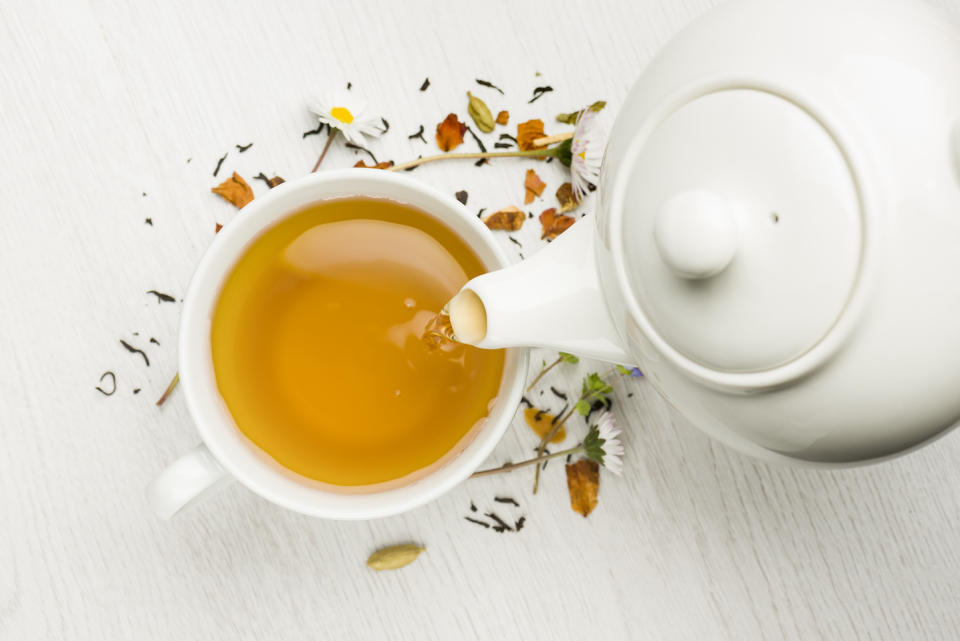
586	153
348	113
603	445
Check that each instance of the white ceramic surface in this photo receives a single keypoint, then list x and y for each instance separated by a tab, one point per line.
777	236
227	454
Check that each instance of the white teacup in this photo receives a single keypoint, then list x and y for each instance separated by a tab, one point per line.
226	454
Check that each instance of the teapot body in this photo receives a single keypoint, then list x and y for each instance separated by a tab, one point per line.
880	82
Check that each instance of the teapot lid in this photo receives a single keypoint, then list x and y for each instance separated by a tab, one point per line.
743	230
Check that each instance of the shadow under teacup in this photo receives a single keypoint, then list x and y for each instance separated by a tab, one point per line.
227	454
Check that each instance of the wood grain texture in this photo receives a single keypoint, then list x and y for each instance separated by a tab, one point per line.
116	112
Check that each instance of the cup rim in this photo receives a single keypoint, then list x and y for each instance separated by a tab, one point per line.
246	462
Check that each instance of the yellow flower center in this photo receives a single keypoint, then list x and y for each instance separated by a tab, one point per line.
342	114
583	156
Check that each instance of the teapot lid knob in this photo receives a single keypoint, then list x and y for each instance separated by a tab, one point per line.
696	234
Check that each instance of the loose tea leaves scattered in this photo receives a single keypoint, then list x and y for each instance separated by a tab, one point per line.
533	186
538	92
271	182
506	499
133	350
113	383
356	147
487	83
477	521
554	224
394	557
219	163
243	148
501	525
234	190
314	132
450	132
426	83
417	134
508	218
583	484
480	113
161	297
462	196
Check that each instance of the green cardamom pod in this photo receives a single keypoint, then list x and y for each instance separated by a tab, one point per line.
480	113
395	556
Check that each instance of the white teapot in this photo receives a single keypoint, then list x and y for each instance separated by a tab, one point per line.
777	244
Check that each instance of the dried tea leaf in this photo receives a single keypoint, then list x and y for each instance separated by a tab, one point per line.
386	164
462	196
572	117
487	83
503	117
539	91
541	423
234	190
567	199
583	483
480	113
395	556
529	131
450	133
508	218
271	182
533	186
554	224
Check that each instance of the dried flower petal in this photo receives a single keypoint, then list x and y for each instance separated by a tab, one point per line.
529	131
503	117
217	229
533	186
394	556
567	199
234	190
508	218
386	164
480	113
554	224
541	423
450	133
583	483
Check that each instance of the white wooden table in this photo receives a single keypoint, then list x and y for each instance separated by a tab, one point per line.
113	113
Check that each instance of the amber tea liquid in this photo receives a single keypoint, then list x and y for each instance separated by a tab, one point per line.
318	347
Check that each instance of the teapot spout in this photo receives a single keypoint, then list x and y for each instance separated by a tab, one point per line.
553	300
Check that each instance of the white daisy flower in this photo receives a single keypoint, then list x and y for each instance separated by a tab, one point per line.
586	153
347	112
603	445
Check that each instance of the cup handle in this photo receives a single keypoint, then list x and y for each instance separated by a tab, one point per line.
191	476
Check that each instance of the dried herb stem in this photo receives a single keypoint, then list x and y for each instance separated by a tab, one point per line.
326	147
169	390
507	467
559	423
531	153
543	372
549	140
